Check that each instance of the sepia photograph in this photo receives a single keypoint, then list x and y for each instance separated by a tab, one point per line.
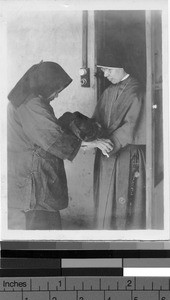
85	123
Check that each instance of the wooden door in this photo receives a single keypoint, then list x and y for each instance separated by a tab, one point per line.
128	28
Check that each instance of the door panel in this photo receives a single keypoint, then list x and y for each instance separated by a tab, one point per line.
127	28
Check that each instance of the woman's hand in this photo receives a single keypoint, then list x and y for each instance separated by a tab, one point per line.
105	145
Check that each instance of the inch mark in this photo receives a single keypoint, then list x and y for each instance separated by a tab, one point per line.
22	294
30	284
100	284
135	283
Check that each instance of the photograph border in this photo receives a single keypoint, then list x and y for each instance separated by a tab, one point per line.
8	7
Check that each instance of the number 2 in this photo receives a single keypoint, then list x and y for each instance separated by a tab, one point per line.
129	283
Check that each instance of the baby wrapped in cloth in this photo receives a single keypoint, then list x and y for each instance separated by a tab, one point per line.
83	127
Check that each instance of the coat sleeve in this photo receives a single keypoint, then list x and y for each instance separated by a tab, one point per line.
41	127
124	134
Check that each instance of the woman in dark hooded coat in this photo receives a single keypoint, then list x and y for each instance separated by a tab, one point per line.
37	146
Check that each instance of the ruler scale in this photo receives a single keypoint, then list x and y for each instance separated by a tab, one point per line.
84	275
85	288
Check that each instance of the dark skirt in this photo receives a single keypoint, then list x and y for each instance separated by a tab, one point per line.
120	189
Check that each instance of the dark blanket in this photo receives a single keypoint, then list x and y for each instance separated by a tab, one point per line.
83	127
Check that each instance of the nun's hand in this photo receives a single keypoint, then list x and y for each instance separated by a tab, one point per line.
105	145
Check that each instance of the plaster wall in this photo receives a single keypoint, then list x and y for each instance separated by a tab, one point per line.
57	36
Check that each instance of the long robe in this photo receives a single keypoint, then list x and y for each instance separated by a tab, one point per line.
37	146
119	181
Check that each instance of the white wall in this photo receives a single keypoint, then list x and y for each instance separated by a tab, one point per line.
57	36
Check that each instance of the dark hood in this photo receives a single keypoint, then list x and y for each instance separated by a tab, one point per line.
42	79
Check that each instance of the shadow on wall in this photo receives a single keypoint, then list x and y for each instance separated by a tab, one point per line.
78	221
79	213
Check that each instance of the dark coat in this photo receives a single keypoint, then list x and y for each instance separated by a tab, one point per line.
37	146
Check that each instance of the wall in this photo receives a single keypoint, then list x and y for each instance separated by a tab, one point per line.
57	36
